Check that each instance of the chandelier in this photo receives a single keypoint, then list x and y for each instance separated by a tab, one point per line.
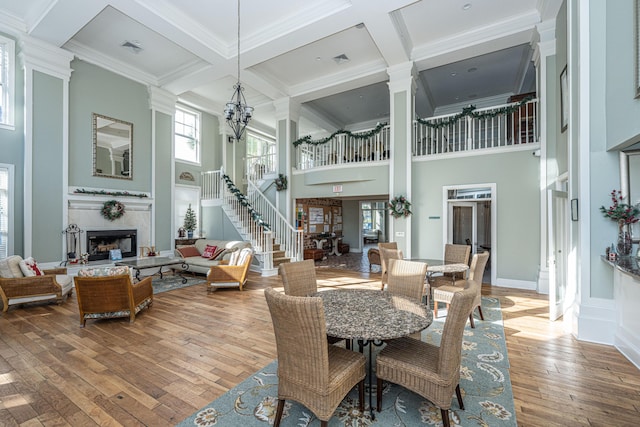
237	112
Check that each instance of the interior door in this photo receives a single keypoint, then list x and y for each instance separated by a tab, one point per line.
557	229
463	224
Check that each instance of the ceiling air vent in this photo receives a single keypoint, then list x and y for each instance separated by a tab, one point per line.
133	46
341	59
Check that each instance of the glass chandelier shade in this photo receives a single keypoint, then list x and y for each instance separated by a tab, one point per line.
237	112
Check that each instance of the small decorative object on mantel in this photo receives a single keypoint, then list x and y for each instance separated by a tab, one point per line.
625	215
281	182
112	210
399	207
187	176
182	233
190	221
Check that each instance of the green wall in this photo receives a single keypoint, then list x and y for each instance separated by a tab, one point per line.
162	197
95	90
518	207
47	174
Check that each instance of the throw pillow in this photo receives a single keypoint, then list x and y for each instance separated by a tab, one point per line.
209	251
188	251
220	252
30	268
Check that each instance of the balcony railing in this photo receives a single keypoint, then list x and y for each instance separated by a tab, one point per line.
472	130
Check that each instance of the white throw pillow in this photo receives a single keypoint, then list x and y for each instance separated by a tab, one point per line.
30	267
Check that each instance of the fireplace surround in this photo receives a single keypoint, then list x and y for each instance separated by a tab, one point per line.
100	242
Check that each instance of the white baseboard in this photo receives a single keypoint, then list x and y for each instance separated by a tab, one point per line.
595	321
517	284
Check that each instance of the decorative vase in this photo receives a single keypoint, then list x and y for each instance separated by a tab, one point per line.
624	239
190	235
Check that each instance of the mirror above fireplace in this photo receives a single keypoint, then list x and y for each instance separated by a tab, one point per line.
112	147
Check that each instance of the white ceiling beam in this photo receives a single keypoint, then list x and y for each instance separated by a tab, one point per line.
63	19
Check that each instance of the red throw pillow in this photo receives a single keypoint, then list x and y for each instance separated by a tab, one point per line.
209	251
218	253
188	251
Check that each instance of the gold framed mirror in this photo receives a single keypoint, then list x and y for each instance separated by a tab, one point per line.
112	147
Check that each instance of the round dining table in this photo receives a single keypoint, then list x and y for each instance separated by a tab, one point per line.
370	317
442	266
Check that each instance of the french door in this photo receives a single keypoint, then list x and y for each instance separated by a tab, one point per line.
462	224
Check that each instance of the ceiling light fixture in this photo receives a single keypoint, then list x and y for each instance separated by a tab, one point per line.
237	112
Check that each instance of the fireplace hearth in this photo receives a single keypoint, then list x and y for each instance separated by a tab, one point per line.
100	242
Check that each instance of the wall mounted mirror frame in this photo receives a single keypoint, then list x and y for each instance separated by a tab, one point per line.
112	147
630	183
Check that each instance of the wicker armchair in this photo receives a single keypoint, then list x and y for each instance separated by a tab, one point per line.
299	278
385	255
310	371
232	273
445	293
104	297
430	371
55	285
373	255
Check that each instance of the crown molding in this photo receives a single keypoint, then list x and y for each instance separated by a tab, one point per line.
45	57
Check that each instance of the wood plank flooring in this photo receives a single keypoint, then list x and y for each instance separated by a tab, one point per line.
191	347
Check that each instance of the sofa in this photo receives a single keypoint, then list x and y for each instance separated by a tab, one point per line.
16	287
199	262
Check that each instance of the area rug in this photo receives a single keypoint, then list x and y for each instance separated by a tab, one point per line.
169	283
484	382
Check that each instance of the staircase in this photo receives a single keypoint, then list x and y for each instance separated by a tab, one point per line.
258	221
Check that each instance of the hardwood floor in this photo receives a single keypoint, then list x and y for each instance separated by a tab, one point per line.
190	348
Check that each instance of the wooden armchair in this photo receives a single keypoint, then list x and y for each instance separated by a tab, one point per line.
17	289
103	297
232	273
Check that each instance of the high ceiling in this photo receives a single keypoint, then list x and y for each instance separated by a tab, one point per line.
463	50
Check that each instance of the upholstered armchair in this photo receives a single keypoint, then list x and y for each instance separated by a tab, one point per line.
105	293
232	273
16	288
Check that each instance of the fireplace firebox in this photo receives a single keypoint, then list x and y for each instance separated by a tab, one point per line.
100	242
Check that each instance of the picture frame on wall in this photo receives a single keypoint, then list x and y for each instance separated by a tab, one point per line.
564	100
636	44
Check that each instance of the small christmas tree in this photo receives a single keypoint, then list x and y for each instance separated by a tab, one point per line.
190	220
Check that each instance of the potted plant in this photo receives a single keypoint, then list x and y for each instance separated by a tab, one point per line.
190	221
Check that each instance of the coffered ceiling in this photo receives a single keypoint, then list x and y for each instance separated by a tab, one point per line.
332	56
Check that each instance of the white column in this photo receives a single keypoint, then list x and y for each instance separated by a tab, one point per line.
287	120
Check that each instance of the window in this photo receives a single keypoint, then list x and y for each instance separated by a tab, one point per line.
6	183
373	215
187	131
261	155
7	71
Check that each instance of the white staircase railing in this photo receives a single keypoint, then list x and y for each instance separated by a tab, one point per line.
290	239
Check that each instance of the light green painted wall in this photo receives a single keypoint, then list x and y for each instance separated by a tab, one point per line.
47	174
12	152
518	207
95	90
356	181
218	225
162	197
351	224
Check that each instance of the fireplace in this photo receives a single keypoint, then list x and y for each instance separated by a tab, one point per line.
100	242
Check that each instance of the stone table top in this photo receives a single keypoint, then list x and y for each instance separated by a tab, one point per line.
369	314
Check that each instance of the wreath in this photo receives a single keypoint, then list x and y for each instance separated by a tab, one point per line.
281	182
112	210
399	207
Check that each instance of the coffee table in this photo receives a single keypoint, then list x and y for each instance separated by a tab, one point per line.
139	264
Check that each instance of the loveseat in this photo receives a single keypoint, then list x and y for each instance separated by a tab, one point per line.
193	255
38	285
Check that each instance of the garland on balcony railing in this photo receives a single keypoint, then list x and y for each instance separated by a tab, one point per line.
257	217
359	135
469	111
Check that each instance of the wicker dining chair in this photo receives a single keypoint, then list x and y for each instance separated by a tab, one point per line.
445	293
311	372
453	254
406	278
431	371
387	251
299	278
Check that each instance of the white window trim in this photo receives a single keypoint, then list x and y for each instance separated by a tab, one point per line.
9	110
198	136
10	213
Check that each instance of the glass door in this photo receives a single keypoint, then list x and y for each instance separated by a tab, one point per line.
463	227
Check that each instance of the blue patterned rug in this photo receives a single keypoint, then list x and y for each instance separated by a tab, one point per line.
169	283
484	382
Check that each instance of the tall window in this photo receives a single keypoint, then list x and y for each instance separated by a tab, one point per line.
373	214
5	200
261	155
7	71
187	129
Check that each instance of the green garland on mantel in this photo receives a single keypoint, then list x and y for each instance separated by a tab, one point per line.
470	111
110	193
359	135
